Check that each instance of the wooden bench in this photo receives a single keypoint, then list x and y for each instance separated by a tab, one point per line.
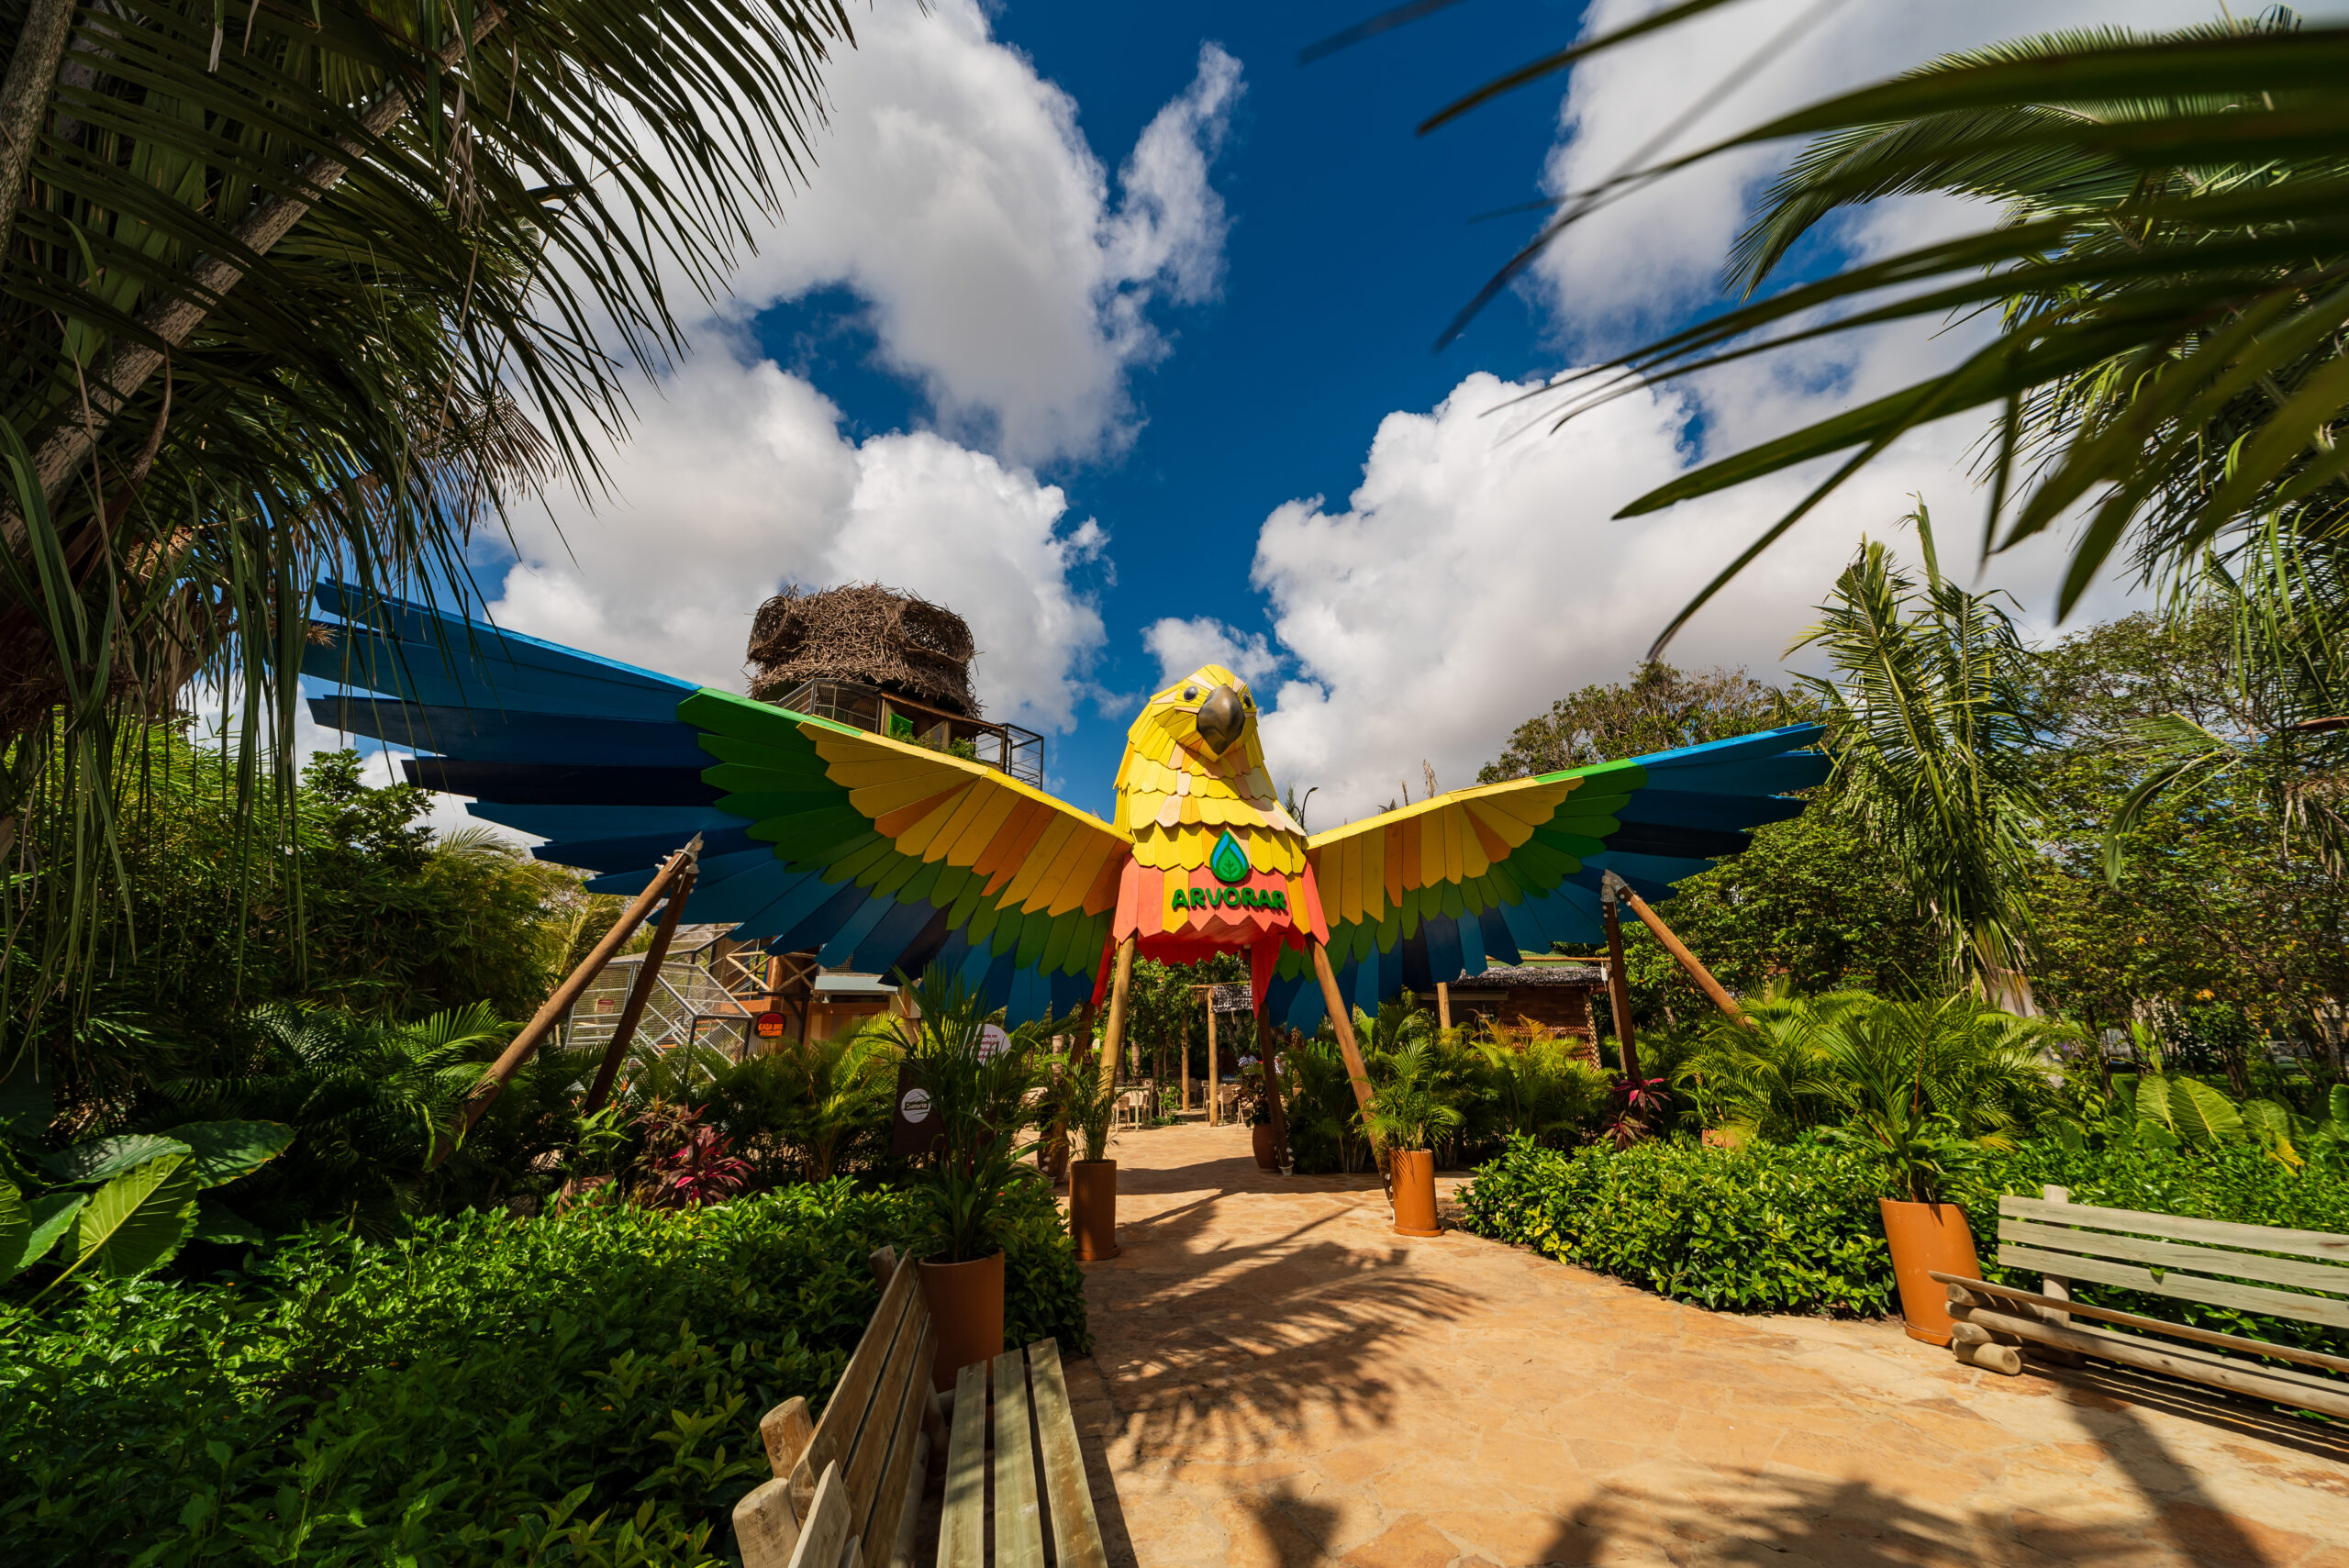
847	1490
2159	1254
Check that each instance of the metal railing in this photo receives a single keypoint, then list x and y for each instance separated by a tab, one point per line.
1006	747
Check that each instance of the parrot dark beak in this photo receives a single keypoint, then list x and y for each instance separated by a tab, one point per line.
1221	720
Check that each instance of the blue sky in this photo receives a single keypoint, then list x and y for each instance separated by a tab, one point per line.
1351	245
1111	327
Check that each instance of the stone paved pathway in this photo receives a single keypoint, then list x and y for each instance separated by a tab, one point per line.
1279	1379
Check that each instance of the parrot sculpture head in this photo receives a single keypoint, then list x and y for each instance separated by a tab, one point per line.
1220	860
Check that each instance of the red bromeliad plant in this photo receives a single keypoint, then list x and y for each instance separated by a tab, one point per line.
1640	1105
700	1172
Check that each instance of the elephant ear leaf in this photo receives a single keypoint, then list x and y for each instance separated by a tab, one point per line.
226	1150
138	1219
2338	1104
104	1158
2153	1102
51	1216
2204	1114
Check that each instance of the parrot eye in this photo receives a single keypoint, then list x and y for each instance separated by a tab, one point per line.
1190	694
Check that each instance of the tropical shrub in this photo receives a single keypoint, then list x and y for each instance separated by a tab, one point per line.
585	1385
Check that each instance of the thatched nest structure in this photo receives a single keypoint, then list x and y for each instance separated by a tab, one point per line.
866	633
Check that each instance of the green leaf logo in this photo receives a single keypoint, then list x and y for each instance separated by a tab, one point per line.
1229	861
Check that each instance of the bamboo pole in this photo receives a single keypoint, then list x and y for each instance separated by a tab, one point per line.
639	994
1443	1004
1341	1022
1113	1033
1678	950
501	1071
1619	985
1266	1041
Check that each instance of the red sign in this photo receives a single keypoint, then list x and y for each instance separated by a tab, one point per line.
769	1026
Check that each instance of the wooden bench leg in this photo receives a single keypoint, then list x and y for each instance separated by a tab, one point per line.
2061	1289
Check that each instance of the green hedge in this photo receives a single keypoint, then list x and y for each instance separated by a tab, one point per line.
582	1389
1794	1228
1756	1230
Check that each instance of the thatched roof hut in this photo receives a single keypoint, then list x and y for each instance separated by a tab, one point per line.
866	633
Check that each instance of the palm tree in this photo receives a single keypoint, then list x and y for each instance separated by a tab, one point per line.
1930	722
2286	604
2169	267
330	284
1770	1076
369	1101
838	1088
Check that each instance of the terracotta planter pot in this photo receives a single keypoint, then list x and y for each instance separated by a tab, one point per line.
1414	1176
966	1307
1926	1236
1093	1209
1267	1157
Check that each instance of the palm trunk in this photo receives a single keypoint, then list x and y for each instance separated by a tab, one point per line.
24	100
129	365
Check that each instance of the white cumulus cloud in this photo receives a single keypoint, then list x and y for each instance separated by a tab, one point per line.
954	193
1182	645
1475	577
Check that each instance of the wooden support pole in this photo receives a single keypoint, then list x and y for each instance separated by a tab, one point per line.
1186	1053
1443	1004
1619	985
1341	1022
1113	1034
1215	1071
1267	1043
501	1071
1711	987
639	994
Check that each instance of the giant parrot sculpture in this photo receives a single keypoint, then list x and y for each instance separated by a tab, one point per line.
883	855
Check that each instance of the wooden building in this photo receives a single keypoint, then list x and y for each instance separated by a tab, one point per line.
1556	994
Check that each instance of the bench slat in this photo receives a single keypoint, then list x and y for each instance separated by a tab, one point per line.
2265	1238
846	1412
890	1405
2069	1307
2177	1255
2261	1383
2187	1287
1076	1534
1019	1530
825	1543
895	1457
962	1519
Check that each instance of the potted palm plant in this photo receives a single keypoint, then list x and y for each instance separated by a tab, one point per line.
979	1101
1087	1107
1259	1107
1413	1108
1919	1149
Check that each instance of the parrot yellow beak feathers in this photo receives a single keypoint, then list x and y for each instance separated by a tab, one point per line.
1221	718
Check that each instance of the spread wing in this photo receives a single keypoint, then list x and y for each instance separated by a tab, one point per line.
882	855
1482	876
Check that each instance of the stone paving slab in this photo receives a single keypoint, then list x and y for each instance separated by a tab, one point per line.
1279	1379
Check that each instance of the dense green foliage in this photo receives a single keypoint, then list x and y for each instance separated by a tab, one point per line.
1768	1228
368	914
1761	1229
1458	1091
586	1385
